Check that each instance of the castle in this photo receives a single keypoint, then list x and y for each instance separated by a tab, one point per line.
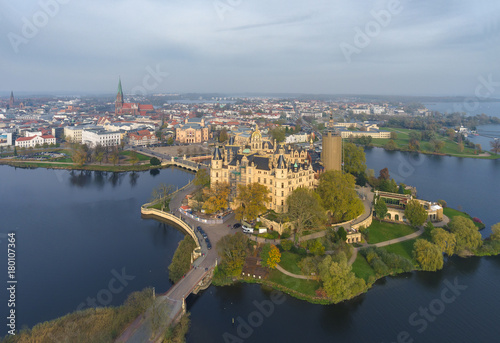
281	168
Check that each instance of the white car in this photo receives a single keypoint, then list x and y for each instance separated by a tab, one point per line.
247	229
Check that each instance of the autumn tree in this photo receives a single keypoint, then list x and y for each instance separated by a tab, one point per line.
270	255
390	145
354	159
233	251
495	146
381	208
428	255
252	199
394	135
162	192
202	178
415	213
304	208
339	282
286	244
79	157
446	241
217	198
467	234
315	247
437	145
339	196
134	159
114	157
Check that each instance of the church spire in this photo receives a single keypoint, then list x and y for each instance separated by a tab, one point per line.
11	101
119	97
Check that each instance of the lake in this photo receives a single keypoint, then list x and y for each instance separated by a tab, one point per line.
470	107
76	230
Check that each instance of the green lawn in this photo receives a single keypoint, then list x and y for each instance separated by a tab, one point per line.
307	287
289	262
404	249
450	147
362	269
382	231
450	213
140	156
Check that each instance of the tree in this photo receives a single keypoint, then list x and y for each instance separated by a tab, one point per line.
217	198
437	145
495	145
450	133
79	157
339	282
380	208
354	159
134	159
467	234
278	133
170	141
415	213
233	251
446	241
428	255
15	151
390	145
286	244
304	208
315	247
115	157
99	156
460	147
338	195
202	178
270	256
223	136
252	199
394	135
181	261
495	232
384	174
162	192
154	161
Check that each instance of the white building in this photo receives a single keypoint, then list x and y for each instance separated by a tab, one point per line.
33	141
296	138
94	137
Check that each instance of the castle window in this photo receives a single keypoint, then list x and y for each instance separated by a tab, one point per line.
282	193
282	185
258	179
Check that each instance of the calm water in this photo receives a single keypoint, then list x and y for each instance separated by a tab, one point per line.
471	108
72	231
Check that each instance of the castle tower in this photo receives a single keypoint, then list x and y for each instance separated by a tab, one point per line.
11	101
331	156
119	98
281	186
216	168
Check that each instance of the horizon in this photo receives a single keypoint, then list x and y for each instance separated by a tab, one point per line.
391	48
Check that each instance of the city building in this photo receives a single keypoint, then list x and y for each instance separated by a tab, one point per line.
5	138
33	141
99	136
396	204
192	131
280	168
142	138
122	107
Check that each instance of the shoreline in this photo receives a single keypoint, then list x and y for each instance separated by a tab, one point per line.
490	156
71	166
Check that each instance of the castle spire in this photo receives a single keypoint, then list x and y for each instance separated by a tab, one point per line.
11	101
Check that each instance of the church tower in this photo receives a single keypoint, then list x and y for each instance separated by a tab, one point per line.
119	98
11	101
331	155
216	167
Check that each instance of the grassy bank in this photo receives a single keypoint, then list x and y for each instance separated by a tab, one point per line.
450	147
384	231
72	166
102	324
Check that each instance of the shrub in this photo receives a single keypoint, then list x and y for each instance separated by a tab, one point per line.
154	161
286	244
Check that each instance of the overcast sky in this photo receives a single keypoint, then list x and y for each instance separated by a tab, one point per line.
431	47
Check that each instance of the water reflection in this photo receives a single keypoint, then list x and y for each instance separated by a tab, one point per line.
133	178
154	172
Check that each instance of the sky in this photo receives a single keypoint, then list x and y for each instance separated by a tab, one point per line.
390	47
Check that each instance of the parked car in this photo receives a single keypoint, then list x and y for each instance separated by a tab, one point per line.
237	225
199	229
247	229
209	246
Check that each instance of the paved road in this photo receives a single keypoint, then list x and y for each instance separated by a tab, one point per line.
170	303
